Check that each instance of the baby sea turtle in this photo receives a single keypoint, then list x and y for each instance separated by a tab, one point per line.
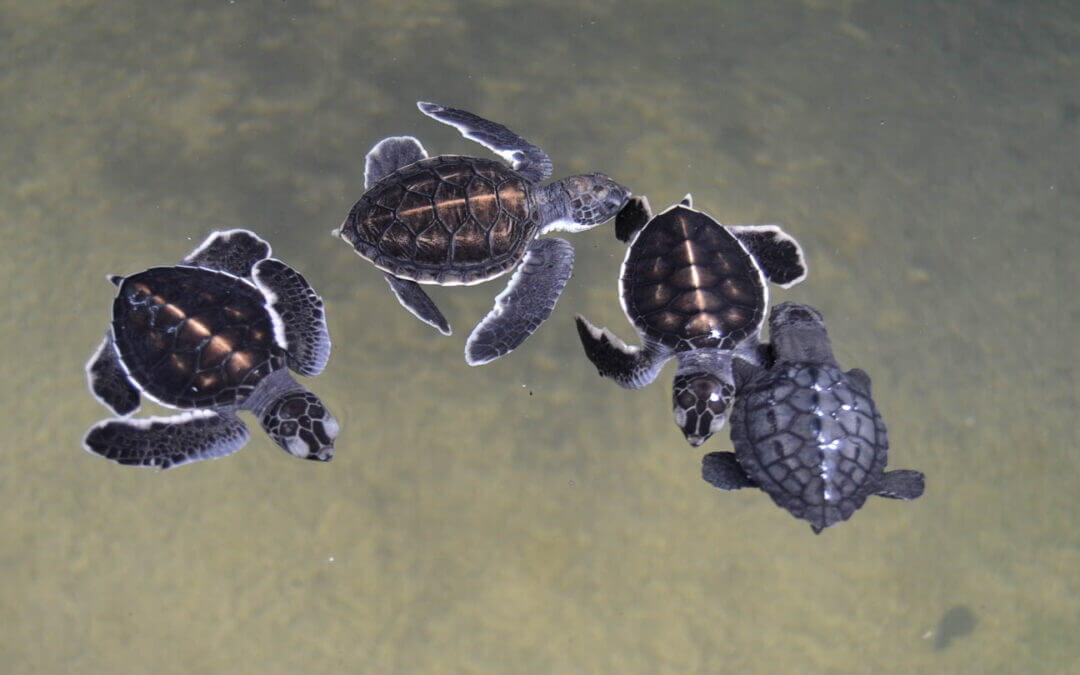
695	290
210	336
806	432
454	220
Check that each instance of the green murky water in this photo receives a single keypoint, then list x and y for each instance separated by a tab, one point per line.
528	516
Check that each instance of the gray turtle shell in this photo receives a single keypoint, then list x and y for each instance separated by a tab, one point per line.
810	438
688	283
191	337
446	220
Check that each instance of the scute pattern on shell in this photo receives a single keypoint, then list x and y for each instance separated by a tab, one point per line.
688	283
193	337
448	220
813	441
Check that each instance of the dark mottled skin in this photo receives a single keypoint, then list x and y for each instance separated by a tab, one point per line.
810	438
688	283
448	219
193	337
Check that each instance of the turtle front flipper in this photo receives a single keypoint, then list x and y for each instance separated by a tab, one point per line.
722	470
860	378
525	303
389	155
527	159
164	442
630	367
298	311
633	216
107	380
779	255
232	251
903	484
414	299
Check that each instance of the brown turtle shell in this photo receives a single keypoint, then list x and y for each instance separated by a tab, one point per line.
193	337
447	220
688	283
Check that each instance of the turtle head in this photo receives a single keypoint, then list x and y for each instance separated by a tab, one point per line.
797	333
301	424
700	401
593	198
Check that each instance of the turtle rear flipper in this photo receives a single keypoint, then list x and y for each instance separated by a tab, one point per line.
633	216
299	310
414	299
630	367
232	251
389	155
903	484
164	442
525	303
722	470
777	252
108	381
527	159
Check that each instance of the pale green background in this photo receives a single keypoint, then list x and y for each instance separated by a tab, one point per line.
528	516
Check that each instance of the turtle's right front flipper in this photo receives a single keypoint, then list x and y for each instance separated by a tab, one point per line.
905	484
414	299
232	251
525	303
107	380
630	367
164	442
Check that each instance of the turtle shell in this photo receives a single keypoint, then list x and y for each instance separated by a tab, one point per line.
688	283
192	337
811	439
447	220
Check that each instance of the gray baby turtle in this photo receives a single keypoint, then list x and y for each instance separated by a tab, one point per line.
694	290
211	336
454	220
805	431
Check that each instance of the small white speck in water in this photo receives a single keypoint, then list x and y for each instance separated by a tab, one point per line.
330	559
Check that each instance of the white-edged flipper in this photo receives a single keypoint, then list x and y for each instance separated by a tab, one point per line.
525	303
527	159
722	470
631	367
389	155
108	381
419	304
778	254
300	310
232	251
164	442
633	216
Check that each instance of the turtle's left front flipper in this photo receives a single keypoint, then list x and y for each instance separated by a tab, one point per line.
525	303
300	310
107	380
529	160
164	442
